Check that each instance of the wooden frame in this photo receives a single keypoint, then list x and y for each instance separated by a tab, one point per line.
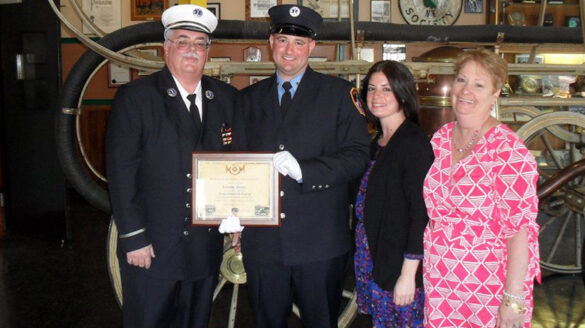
258	9
118	75
380	11
147	9
215	8
328	8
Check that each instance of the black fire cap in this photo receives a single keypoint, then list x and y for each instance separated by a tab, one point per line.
294	20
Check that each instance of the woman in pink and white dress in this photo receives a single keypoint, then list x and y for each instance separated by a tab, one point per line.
481	243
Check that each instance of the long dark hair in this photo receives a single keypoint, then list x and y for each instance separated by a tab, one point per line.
403	86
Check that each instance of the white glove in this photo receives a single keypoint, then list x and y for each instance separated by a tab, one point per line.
286	164
230	224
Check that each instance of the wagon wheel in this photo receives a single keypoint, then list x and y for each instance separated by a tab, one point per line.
558	140
231	271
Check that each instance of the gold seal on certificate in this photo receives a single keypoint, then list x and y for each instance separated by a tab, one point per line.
245	185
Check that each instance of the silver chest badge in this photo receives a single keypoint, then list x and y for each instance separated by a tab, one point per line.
171	92
209	94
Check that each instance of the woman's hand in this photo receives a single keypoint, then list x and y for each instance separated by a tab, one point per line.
510	317
404	290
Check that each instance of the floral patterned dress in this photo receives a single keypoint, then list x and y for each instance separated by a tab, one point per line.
474	206
371	298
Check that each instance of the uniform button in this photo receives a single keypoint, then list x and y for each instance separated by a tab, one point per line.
326	186
281	147
208	229
187	219
188	175
320	186
189	190
282	215
313	187
186	233
188	205
282	193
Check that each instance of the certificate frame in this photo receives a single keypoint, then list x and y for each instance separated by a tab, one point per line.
328	9
246	182
258	9
147	10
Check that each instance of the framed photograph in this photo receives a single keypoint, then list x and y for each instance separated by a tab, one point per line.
473	6
380	11
573	21
118	75
395	52
329	9
257	78
147	9
524	58
252	54
245	185
215	8
258	9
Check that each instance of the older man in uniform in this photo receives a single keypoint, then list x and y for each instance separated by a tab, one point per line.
169	268
321	143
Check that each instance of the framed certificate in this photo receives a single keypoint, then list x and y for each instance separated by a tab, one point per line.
243	184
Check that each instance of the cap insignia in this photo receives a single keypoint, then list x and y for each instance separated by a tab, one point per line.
294	11
197	12
171	92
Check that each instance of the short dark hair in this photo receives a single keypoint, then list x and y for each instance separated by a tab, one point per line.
403	87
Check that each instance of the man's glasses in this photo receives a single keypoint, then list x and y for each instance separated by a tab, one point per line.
184	44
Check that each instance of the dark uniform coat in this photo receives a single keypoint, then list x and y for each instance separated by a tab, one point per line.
150	138
324	131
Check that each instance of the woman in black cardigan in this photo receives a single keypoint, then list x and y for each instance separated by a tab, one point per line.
390	207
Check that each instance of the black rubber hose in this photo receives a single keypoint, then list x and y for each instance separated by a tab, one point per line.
97	195
67	150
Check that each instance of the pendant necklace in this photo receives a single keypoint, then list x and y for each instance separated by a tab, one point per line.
468	146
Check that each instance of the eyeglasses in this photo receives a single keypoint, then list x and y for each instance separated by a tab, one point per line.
184	44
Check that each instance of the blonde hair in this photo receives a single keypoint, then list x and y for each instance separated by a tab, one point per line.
496	66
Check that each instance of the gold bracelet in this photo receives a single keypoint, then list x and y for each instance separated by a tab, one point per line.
516	307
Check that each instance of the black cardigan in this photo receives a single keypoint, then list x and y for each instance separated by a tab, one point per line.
395	214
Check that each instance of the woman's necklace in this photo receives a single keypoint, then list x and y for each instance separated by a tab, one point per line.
471	142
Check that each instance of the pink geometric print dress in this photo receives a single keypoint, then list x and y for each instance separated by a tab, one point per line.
474	206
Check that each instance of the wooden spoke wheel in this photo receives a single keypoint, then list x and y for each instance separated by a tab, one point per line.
558	139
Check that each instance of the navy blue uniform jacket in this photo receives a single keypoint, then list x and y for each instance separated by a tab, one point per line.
323	130
149	141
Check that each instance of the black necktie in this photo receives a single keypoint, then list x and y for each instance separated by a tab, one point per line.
286	98
194	111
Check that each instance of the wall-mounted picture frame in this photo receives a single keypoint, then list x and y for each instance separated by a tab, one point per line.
573	21
149	54
118	75
104	14
380	11
523	59
215	8
252	54
329	9
473	6
147	9
258	9
391	51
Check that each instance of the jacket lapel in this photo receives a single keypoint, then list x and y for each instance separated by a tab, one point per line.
175	106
